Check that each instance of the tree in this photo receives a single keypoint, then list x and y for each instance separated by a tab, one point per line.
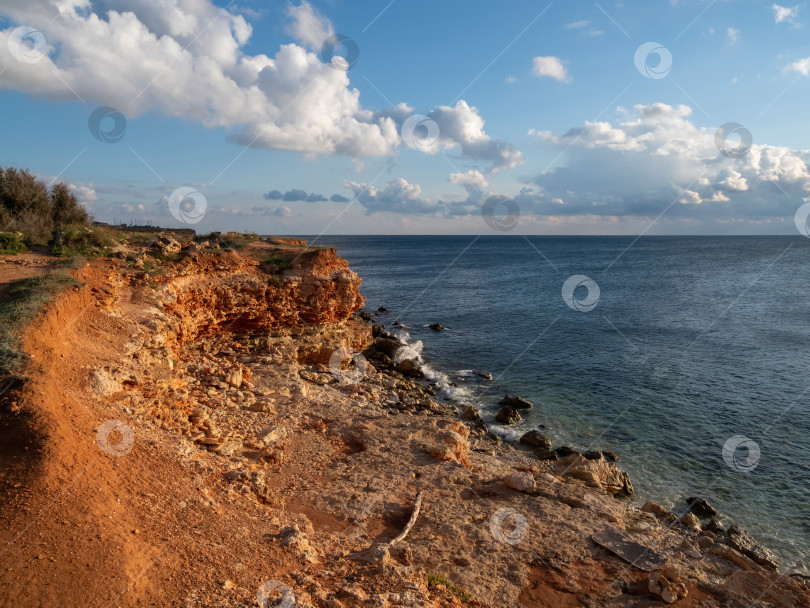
65	207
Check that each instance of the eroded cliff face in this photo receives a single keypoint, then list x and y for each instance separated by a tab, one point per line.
207	294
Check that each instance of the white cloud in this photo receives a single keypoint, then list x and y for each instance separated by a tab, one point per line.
577	25
802	66
783	14
187	59
471	179
551	67
732	35
657	156
398	195
308	25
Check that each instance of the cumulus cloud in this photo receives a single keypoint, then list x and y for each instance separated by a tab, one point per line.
461	128
398	195
191	63
732	35
658	156
339	198
550	67
783	14
471	180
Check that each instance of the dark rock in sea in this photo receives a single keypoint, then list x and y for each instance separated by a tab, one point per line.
378	330
565	450
536	439
382	309
610	456
545	454
508	415
592	455
741	540
387	345
701	507
365	316
516	402
716	526
437	327
484	375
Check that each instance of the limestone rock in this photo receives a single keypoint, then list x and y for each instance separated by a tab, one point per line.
522	482
516	402
741	540
596	473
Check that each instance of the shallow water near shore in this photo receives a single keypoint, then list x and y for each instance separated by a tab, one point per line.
694	340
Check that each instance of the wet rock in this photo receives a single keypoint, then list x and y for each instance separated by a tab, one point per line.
565	450
519	403
701	508
408	366
484	375
437	327
470	413
592	455
536	439
545	454
610	456
741	540
522	482
691	522
382	309
388	346
659	511
508	415
716	526
365	316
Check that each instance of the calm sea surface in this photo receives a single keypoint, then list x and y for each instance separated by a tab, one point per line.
693	341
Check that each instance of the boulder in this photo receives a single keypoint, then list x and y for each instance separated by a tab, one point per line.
596	473
565	450
470	413
508	415
536	439
388	346
691	522
484	375
741	540
701	508
592	455
660	512
519	403
408	366
234	377
610	456
545	454
437	327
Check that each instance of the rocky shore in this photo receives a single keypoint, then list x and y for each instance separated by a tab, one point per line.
200	426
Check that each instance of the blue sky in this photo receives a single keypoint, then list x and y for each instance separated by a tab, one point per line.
544	104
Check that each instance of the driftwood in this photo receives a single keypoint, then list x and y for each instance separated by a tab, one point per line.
416	506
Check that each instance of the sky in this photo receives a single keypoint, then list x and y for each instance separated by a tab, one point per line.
416	117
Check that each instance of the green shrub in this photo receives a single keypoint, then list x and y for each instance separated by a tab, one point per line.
84	240
11	242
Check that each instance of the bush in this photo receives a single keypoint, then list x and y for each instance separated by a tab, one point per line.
84	240
11	242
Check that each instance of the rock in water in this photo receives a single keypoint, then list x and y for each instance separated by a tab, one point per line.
701	508
741	540
484	375
470	413
437	327
536	439
508	415
516	402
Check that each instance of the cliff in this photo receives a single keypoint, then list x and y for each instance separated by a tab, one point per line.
198	427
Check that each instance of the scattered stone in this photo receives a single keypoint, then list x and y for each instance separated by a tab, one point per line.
102	383
516	402
716	526
508	415
273	435
536	439
234	377
741	540
522	482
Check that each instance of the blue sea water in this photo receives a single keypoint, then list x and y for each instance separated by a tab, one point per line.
695	343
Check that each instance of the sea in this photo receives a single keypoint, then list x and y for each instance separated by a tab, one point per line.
687	356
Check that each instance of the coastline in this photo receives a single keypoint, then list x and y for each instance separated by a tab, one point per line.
303	467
